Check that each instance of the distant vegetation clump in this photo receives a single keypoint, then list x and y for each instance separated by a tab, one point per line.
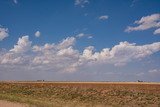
40	80
139	81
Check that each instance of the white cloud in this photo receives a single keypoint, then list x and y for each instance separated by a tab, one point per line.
88	52
126	52
65	43
80	35
146	22
157	31
38	34
90	37
104	17
121	54
63	57
67	52
11	58
23	45
15	1
43	48
3	33
81	2
154	71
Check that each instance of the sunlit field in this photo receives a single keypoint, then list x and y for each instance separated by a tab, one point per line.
82	94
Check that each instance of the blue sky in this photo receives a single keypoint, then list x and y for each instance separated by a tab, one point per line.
79	32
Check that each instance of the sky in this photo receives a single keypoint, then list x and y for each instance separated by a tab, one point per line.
80	40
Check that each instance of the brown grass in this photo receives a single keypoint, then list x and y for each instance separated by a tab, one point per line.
78	94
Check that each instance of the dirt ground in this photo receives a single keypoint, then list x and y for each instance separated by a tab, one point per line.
11	104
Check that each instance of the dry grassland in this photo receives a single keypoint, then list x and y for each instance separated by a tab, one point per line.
82	94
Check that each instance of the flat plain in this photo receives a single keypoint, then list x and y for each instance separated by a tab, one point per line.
81	94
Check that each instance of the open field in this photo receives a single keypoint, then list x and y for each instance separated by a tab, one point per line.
82	94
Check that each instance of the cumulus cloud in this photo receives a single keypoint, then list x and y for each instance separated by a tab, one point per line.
122	53
65	43
23	45
58	57
126	52
11	58
63	57
37	34
104	17
81	3
157	31
146	22
3	33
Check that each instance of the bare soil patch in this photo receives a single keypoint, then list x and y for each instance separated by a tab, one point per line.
4	103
